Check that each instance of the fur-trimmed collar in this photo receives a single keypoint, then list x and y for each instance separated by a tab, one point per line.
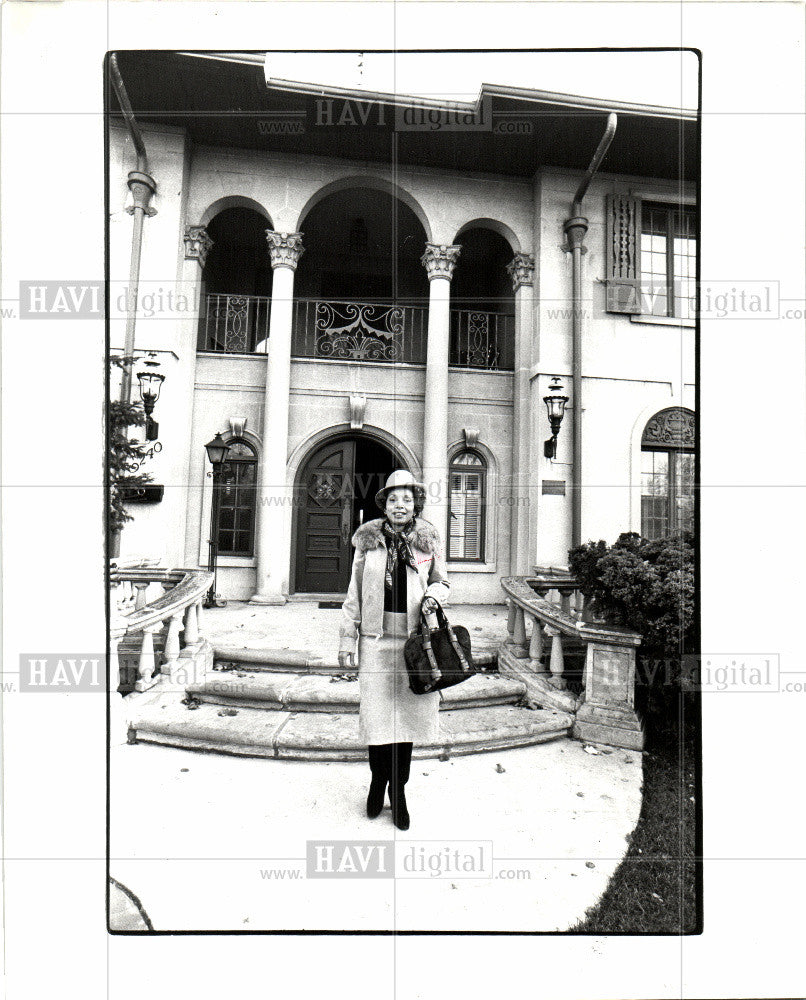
370	536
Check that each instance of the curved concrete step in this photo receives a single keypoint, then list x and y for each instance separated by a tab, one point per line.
303	661
334	737
321	693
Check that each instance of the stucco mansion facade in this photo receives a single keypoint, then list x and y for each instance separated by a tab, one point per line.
339	288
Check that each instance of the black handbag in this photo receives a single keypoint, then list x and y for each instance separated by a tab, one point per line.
438	658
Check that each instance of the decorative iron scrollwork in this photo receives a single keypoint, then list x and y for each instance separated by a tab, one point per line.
356	331
232	319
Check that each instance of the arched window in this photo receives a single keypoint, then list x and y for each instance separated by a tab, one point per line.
467	495
667	473
236	515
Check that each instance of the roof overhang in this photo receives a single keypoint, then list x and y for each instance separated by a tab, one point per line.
224	99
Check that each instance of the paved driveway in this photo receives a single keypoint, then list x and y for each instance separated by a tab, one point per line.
213	842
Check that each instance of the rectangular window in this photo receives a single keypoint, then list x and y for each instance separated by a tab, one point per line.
654	493
466	516
668	259
667	492
236	510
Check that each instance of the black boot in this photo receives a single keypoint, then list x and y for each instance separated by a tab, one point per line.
398	776
379	766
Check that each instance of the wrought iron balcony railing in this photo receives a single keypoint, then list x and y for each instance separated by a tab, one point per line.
234	324
358	331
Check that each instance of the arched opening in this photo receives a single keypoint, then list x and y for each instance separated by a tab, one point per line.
667	473
483	302
335	493
361	292
236	283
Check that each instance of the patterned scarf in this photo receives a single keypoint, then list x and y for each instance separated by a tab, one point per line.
398	547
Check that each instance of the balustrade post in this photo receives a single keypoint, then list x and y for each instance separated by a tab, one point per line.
142	588
172	647
519	639
191	625
556	662
565	599
147	664
536	646
511	609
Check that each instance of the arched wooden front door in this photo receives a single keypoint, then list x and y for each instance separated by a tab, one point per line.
336	492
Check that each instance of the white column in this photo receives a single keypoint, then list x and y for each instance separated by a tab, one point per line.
439	261
187	521
524	505
271	549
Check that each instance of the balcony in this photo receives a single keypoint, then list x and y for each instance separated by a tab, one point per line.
368	331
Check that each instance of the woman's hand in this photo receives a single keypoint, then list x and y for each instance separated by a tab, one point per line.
346	660
429	609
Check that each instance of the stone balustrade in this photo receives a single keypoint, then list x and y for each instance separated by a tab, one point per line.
548	620
175	616
135	583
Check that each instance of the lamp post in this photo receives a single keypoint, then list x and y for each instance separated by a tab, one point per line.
150	385
217	450
555	404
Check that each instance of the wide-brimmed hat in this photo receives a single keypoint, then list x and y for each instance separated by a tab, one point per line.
399	479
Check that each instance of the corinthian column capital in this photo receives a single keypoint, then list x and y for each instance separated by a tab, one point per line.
197	244
285	249
440	260
522	270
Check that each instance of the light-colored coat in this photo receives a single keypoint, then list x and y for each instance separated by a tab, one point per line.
362	612
389	711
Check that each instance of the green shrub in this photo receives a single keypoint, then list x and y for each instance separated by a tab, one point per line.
123	456
646	586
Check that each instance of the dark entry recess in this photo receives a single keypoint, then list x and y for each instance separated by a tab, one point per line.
335	493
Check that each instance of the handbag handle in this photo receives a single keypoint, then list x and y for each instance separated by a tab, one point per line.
425	636
444	623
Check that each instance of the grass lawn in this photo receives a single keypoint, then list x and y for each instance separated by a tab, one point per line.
654	891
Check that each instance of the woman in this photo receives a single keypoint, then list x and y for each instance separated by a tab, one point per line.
397	562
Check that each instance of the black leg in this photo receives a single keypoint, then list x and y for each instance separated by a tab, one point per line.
379	767
399	775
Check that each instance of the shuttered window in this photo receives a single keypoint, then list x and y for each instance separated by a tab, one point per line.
651	258
466	507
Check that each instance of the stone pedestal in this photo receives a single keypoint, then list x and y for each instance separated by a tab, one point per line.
607	713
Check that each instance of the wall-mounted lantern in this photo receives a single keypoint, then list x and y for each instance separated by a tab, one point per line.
555	404
150	385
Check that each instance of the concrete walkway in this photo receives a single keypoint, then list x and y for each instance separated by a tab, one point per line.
192	835
208	841
303	625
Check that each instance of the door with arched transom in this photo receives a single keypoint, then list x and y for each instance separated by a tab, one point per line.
335	493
